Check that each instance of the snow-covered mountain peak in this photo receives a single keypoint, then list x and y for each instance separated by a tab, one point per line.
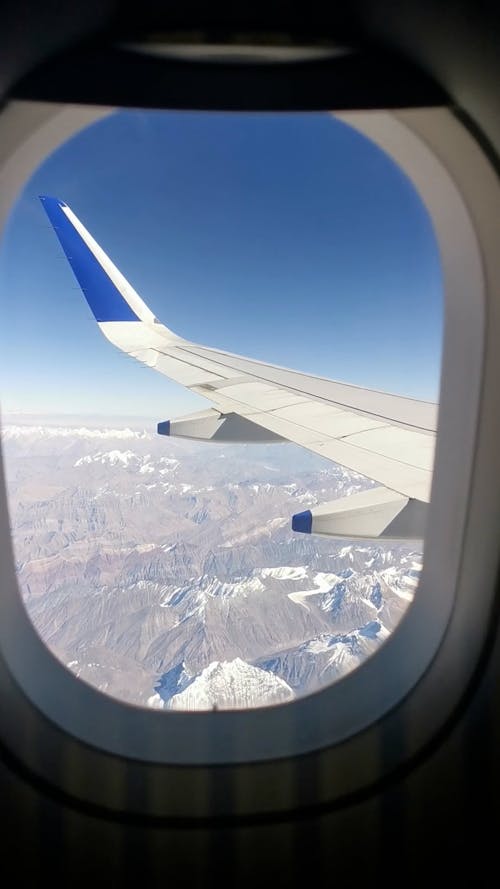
113	458
232	685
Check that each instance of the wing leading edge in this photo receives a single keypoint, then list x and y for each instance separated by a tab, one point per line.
385	437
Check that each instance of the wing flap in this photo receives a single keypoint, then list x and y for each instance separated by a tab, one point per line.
401	477
395	409
408	447
262	396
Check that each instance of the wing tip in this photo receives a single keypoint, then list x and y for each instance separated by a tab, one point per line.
98	282
50	200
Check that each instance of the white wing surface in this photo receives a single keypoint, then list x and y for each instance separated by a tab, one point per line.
385	437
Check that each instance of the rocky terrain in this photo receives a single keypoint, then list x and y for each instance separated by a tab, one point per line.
165	572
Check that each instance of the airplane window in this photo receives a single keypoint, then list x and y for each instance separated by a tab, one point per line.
268	537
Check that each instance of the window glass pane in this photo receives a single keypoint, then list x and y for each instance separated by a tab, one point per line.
165	571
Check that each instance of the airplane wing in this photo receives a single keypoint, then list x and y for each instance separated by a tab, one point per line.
385	437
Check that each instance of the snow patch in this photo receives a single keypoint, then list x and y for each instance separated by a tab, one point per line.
285	572
324	583
155	701
144	547
260	531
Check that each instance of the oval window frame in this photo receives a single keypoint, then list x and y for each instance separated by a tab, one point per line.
171	757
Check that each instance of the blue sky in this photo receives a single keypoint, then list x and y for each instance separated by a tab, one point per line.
289	238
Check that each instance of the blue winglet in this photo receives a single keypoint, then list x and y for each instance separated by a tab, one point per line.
102	295
302	521
164	428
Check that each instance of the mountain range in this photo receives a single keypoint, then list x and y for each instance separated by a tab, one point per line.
165	572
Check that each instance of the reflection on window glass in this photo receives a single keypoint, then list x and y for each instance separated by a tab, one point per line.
165	571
